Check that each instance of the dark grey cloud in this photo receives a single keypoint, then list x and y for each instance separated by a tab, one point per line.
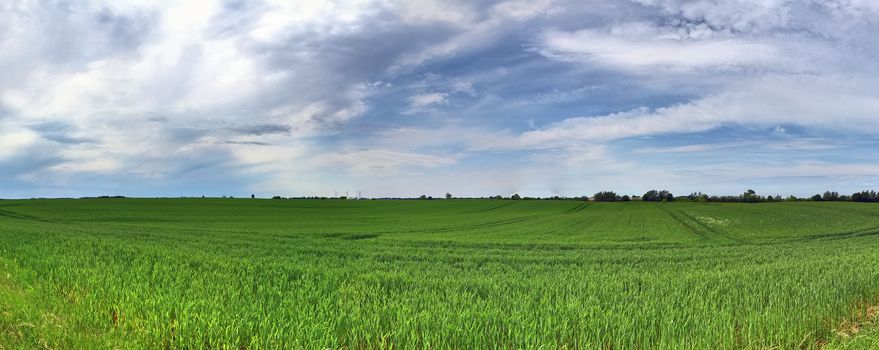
65	44
60	132
33	161
125	31
262	129
335	69
234	17
251	143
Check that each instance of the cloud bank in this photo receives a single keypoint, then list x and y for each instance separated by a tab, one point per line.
399	98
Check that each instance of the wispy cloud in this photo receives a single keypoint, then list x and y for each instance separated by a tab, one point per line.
639	46
825	103
772	145
422	102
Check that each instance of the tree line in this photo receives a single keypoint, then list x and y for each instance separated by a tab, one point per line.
749	196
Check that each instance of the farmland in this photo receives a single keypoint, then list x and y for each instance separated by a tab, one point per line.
265	274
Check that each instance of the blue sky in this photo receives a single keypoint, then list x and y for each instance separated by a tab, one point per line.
402	98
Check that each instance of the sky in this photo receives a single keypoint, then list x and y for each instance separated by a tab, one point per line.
401	98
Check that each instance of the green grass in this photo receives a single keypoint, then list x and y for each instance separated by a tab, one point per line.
267	274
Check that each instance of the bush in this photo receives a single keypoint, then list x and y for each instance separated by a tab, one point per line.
658	196
606	196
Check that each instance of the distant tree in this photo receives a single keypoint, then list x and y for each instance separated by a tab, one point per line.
625	198
830	196
750	196
816	198
865	196
658	196
515	197
423	197
697	197
792	198
252	196
448	196
606	196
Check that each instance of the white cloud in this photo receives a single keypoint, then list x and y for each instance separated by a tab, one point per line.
14	140
271	91
801	169
786	144
455	13
451	136
88	165
765	16
523	10
774	100
161	82
421	101
558	95
641	47
739	15
474	33
377	162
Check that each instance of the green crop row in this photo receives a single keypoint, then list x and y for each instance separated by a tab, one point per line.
466	274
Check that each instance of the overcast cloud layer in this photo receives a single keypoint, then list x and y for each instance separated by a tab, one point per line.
400	98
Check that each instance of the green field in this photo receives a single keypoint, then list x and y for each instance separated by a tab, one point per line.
468	274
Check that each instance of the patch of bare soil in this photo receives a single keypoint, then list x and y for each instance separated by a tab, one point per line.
866	318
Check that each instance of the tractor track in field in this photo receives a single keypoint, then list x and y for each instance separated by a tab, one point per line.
466	227
869	231
702	230
683	222
710	229
579	222
859	210
573	224
695	226
18	216
495	208
578	208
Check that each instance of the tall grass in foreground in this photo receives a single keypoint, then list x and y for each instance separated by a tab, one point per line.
447	274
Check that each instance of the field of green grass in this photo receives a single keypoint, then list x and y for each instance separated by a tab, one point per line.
466	274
